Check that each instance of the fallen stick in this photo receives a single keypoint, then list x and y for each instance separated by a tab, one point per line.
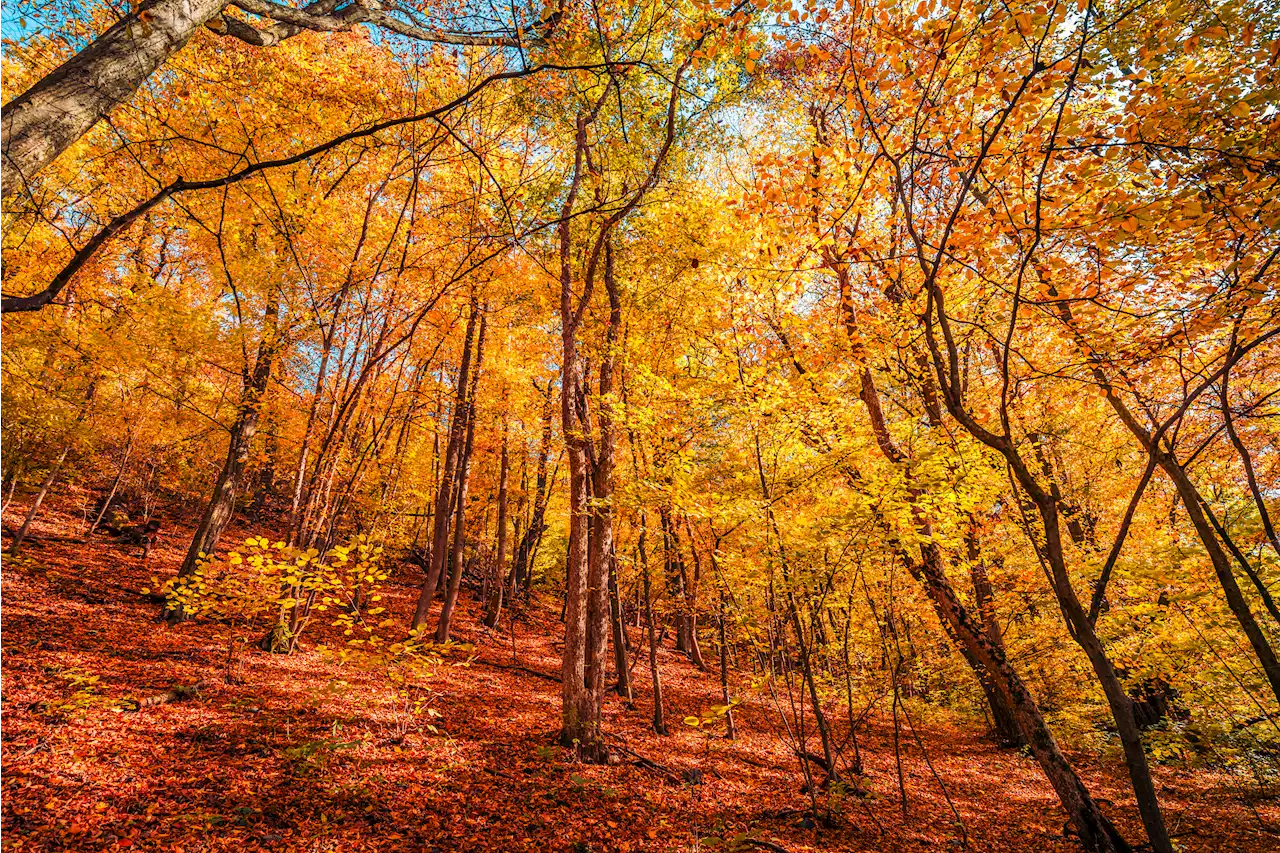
765	845
518	668
177	693
649	764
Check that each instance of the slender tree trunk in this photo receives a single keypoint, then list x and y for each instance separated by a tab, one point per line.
1246	460
617	620
21	535
580	725
266	475
111	492
13	476
793	611
1163	453
579	730
659	719
464	465
296	507
522	565
459	545
444	497
1192	500
1221	563
1003	719
731	731
587	578
1095	830
691	600
806	666
54	471
45	120
600	549
674	572
1081	628
1095	834
1004	724
494	606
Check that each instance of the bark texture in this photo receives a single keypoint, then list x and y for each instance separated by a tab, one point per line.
45	120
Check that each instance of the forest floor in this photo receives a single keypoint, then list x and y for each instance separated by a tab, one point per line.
289	761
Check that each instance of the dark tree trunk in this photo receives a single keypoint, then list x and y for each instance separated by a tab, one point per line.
580	718
11	485
266	476
444	496
1095	830
464	465
617	621
526	551
1003	719
793	612
659	719
21	535
498	577
731	730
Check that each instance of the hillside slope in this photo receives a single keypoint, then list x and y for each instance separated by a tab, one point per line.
291	759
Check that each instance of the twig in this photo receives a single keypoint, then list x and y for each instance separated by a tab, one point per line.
518	668
176	694
765	845
649	763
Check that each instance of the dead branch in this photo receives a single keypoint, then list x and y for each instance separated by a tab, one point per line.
177	693
515	667
765	845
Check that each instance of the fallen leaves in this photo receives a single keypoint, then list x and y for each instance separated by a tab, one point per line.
260	765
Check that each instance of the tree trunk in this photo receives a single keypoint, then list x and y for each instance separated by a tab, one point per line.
45	120
12	486
1082	631
580	729
222	501
1236	601
1164	455
493	608
464	465
600	550
522	565
459	545
731	731
1003	719
1096	832
691	602
444	496
39	499
53	472
674	573
580	720
824	733
266	475
806	666
621	660
659	720
111	493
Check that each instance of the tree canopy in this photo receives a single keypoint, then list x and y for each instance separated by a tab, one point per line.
917	352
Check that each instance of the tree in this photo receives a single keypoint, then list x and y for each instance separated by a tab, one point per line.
61	107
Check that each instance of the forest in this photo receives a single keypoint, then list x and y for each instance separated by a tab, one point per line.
671	425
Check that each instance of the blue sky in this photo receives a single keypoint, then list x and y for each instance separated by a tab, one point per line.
39	15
